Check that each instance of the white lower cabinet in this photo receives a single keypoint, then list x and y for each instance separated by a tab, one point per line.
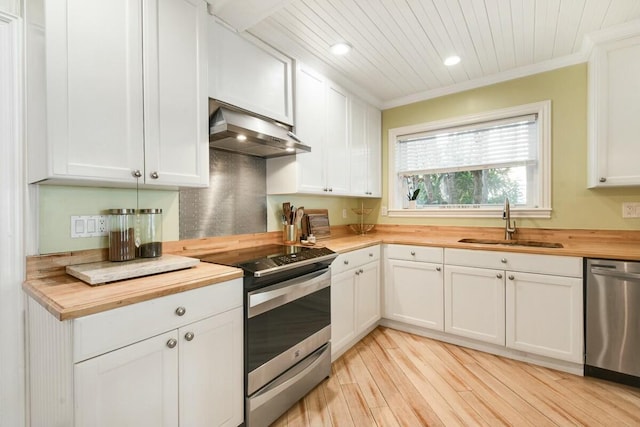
413	287
528	302
355	297
172	361
544	315
474	303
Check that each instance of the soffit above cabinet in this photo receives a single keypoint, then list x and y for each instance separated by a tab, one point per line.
242	14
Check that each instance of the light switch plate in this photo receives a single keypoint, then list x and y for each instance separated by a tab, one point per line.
88	226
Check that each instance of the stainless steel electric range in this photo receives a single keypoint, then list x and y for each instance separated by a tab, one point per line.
287	324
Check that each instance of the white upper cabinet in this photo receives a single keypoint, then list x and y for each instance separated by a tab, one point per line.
344	134
614	108
365	148
249	74
116	87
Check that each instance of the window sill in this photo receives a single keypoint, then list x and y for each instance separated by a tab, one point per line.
544	213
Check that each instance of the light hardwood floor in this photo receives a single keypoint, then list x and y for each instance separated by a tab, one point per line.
392	378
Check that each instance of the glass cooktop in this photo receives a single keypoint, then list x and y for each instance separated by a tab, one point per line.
261	259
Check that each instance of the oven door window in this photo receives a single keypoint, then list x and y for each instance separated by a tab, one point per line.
278	329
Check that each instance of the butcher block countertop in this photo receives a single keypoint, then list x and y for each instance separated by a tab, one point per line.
67	297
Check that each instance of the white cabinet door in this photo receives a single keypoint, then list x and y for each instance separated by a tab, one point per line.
336	143
374	152
474	303
93	92
367	296
414	293
343	318
249	74
211	371
544	315
614	108
311	128
134	386
364	148
358	146
176	105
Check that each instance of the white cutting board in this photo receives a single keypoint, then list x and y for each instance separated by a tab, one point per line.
98	273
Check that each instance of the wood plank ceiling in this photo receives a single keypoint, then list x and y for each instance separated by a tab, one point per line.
399	45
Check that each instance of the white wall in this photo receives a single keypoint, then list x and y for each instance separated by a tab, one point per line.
12	261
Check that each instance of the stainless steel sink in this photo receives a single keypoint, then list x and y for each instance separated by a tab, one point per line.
530	243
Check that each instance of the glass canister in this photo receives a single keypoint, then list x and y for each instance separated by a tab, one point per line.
122	244
149	238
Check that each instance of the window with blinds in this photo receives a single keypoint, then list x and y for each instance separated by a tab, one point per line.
473	164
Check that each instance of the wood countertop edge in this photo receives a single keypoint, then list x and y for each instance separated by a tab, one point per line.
37	290
616	251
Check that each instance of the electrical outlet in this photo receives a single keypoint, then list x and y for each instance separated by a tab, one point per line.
344	212
630	210
384	211
88	226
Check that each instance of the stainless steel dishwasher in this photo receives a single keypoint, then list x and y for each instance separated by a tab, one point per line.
612	311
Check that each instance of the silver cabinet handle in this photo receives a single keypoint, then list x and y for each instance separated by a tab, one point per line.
603	179
136	173
361	271
438	268
189	336
370	254
180	311
330	189
357	272
346	262
172	343
499	275
413	253
154	175
511	277
503	260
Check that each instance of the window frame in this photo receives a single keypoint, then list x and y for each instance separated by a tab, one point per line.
543	210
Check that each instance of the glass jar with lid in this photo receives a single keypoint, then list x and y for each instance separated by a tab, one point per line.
122	245
149	236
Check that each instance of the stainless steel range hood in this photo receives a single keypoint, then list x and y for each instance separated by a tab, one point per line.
238	131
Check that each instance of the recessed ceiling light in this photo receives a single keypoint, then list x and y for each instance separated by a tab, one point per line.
341	48
452	60
241	137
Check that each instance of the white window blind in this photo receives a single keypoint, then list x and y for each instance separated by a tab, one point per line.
495	144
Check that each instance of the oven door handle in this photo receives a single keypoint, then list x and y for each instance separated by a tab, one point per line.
274	296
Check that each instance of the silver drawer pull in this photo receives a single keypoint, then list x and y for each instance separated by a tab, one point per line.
438	268
503	260
499	275
189	336
346	262
172	343
413	253
180	311
511	277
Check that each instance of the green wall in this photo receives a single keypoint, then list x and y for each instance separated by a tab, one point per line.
574	206
59	203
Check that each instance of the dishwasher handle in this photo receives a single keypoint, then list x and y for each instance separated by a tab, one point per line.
614	273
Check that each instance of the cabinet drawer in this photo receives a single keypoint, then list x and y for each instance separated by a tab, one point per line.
102	332
528	263
355	258
415	253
